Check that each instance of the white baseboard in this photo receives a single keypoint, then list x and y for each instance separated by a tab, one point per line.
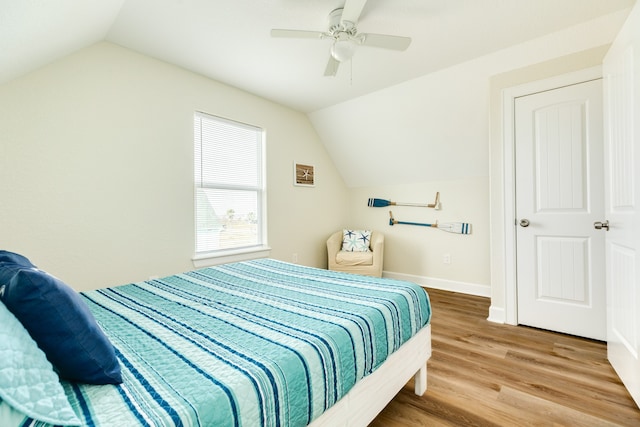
497	315
442	284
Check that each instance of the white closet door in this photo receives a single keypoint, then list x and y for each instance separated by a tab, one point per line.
622	173
559	195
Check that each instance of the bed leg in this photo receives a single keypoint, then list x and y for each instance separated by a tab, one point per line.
420	381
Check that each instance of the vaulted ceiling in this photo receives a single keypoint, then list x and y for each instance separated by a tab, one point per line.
229	40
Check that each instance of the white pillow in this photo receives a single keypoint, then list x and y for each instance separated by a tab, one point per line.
27	380
356	240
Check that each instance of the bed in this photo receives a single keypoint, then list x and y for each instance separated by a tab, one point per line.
255	343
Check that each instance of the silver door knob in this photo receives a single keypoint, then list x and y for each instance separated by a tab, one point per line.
600	225
524	222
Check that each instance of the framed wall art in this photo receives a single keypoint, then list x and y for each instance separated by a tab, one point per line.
304	175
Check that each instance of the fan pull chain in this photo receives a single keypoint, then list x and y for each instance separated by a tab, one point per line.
351	72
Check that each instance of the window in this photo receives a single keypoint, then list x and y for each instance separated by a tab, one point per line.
229	185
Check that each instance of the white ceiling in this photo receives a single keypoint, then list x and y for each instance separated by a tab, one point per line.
229	40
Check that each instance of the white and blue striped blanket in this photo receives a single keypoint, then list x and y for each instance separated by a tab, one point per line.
257	343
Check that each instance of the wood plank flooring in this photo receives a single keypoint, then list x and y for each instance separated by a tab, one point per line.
486	374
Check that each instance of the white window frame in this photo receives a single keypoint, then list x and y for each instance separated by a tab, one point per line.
260	249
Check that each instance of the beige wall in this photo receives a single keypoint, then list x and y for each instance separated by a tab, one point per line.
96	151
96	155
415	252
441	132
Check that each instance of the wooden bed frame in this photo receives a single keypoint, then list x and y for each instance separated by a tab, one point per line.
371	394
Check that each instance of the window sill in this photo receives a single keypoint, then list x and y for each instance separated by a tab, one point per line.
224	257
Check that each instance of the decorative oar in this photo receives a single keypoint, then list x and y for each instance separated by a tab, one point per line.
449	227
381	203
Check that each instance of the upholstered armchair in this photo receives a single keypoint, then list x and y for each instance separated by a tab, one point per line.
367	263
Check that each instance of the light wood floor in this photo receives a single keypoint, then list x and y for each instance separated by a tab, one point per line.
486	374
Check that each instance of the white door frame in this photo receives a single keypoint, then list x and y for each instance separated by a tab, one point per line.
509	202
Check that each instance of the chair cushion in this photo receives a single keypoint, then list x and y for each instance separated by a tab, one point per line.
356	240
354	258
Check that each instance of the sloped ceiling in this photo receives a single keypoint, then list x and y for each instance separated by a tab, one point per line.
229	40
386	118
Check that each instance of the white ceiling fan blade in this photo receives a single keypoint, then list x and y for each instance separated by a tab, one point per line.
332	67
385	41
352	10
297	34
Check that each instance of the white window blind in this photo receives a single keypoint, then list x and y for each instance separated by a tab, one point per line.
228	165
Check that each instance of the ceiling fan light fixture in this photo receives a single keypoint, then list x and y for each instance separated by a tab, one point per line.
343	50
343	33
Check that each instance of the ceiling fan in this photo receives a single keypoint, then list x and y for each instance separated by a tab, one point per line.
344	33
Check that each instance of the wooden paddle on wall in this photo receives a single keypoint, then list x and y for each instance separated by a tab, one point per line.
381	203
449	227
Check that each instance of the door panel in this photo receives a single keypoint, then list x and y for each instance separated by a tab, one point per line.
624	322
559	190
560	157
562	270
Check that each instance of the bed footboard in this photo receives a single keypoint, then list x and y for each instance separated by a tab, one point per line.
371	394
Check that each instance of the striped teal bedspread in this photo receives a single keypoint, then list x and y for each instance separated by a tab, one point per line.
257	343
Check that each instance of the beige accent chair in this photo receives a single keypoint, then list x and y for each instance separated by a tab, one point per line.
367	263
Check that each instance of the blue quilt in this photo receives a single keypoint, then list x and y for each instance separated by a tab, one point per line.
257	343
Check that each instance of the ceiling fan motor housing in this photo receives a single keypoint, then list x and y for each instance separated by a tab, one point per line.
340	29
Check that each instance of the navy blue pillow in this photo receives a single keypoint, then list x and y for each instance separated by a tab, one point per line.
59	320
6	256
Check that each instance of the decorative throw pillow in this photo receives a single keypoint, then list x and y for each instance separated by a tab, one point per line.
27	380
6	256
60	322
356	240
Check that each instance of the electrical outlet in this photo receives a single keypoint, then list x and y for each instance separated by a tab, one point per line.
294	258
446	258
